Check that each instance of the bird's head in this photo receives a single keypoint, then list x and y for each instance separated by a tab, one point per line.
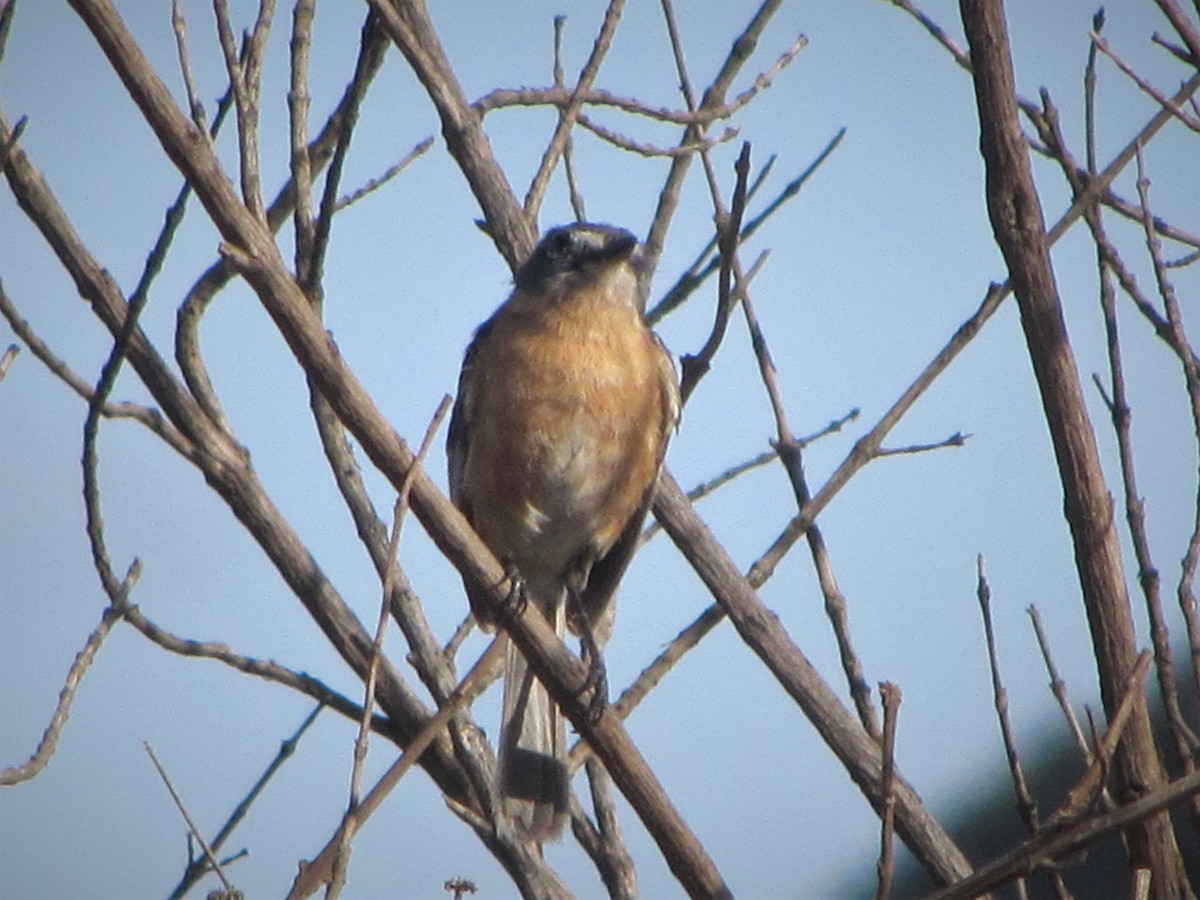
583	256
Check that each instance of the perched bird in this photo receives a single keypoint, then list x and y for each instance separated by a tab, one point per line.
565	404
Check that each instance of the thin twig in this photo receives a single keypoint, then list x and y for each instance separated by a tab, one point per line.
372	46
299	101
320	871
1106	196
208	853
577	205
651	151
1162	99
866	447
341	858
740	52
958	439
616	865
694	276
374	184
198	867
654	673
1053	844
1084	795
247	110
1025	802
7	359
1148	575
1191	375
695	365
567	117
195	104
269	670
891	696
712	485
1059	687
79	666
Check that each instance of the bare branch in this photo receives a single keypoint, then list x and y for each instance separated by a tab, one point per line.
958	439
1147	88
1084	795
1191	374
1106	196
195	104
867	446
208	853
567	117
616	865
150	418
577	205
267	669
198	867
342	854
320	870
1015	212
1059	687
762	631
891	696
1053	844
739	54
388	174
695	275
7	359
409	27
299	101
83	660
1025	802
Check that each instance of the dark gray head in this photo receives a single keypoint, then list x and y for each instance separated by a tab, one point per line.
572	254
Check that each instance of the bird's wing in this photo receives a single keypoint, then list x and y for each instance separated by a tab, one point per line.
458	449
606	571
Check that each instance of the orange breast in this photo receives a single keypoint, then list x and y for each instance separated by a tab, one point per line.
569	429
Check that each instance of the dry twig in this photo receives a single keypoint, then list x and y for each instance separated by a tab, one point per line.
891	696
213	862
83	660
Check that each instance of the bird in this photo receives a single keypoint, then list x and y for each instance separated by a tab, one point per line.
565	406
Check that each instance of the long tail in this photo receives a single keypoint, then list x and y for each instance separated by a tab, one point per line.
534	780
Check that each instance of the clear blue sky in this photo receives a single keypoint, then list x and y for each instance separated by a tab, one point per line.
872	268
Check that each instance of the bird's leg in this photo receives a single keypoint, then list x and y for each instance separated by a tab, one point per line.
597	677
517	597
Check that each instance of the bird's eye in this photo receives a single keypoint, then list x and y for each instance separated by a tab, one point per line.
560	244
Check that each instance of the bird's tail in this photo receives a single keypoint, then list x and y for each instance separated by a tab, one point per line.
534	780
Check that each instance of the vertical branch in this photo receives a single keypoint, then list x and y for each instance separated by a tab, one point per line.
1025	802
1109	263
891	696
566	118
298	104
615	864
1015	212
372	46
668	198
243	80
342	855
569	147
1191	376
